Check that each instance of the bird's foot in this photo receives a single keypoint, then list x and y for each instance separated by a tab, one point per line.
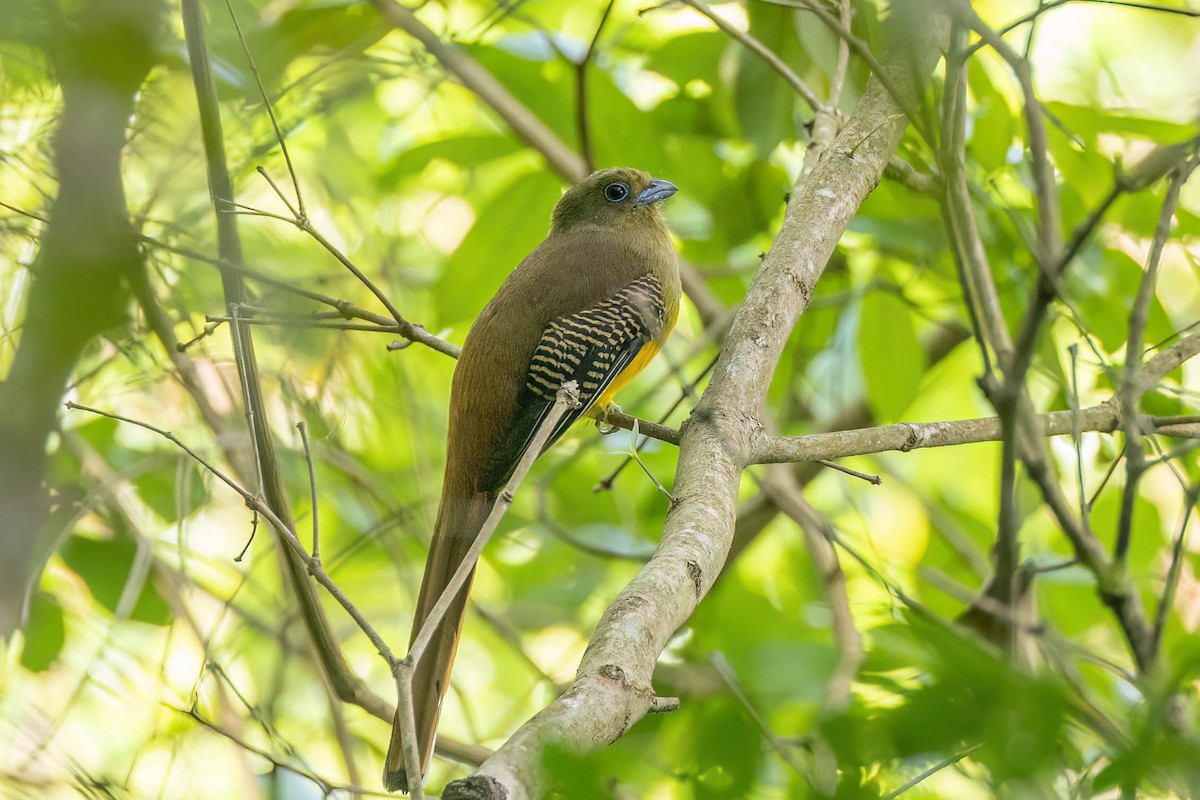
602	424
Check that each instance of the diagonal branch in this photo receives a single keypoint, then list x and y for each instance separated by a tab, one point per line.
1133	387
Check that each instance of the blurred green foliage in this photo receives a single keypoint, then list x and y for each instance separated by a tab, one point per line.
143	612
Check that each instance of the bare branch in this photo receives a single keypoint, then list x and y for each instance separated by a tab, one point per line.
298	212
312	491
900	95
414	333
1132	388
581	105
906	436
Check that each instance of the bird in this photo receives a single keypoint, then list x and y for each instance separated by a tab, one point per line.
593	303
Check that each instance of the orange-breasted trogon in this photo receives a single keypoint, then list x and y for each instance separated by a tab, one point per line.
592	303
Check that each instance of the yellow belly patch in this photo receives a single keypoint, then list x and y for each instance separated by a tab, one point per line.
605	401
644	357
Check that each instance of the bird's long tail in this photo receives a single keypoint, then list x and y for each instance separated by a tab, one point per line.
458	523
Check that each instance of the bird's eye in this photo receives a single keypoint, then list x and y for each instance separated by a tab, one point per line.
616	192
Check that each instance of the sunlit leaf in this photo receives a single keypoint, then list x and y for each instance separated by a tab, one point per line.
44	633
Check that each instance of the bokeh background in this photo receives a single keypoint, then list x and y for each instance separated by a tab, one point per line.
154	663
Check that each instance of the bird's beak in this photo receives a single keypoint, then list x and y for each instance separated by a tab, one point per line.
657	190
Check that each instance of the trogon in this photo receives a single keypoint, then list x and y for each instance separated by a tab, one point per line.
592	303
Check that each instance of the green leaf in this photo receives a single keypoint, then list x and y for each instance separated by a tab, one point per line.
890	356
505	232
766	104
465	152
169	493
547	88
622	134
693	56
727	751
343	26
1103	291
993	129
1088	122
104	565
44	633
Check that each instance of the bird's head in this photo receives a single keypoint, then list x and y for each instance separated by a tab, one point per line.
612	197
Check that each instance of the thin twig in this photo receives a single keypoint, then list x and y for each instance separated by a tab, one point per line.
863	51
406	719
298	212
687	390
349	310
581	110
568	397
1043	7
933	770
1175	570
312	490
633	453
325	785
975	273
874	480
251	396
1076	434
287	535
725	670
392	328
1132	389
843	58
304	224
528	127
